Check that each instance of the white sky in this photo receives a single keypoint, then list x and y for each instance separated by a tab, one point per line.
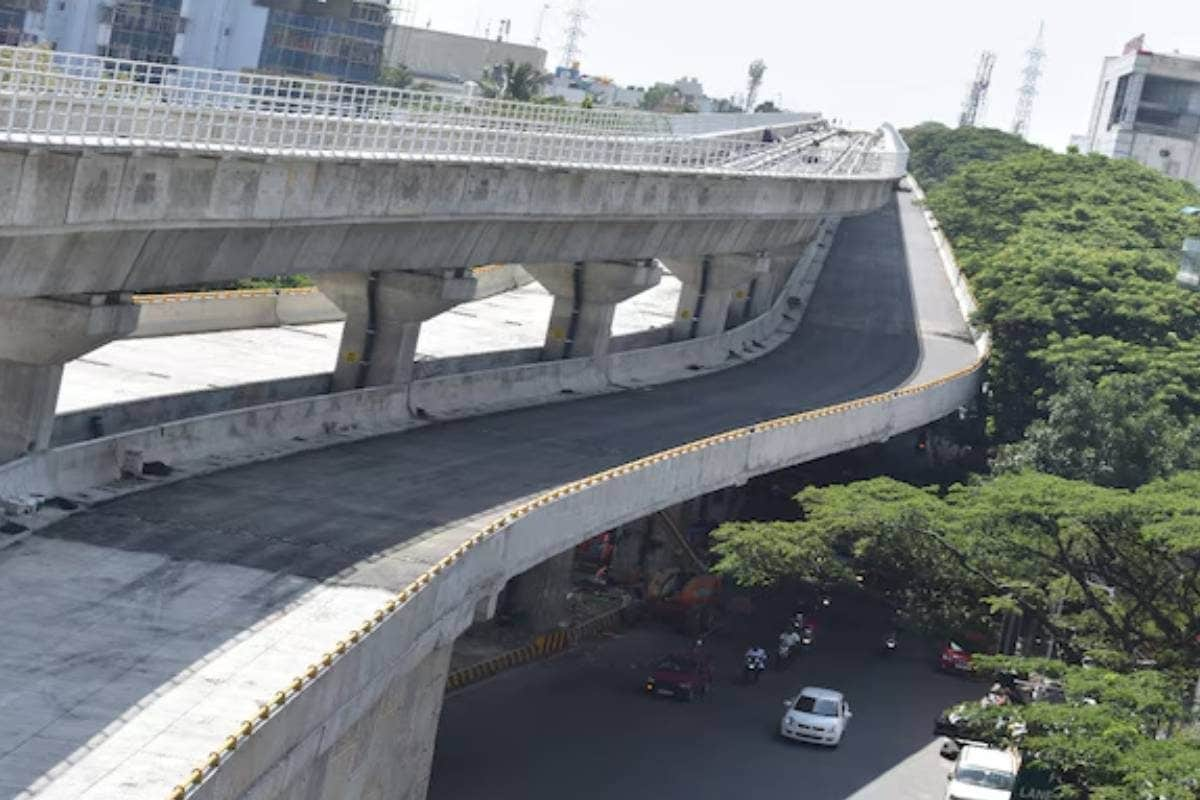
903	61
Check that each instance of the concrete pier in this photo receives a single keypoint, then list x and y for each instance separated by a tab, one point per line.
585	296
384	312
708	289
37	337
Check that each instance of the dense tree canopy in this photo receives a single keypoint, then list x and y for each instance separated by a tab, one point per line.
1118	431
1115	737
1072	259
937	152
1109	573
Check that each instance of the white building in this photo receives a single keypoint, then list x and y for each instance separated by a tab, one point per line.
449	60
1147	108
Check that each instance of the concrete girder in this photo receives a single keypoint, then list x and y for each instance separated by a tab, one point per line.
87	222
709	285
37	337
384	312
585	297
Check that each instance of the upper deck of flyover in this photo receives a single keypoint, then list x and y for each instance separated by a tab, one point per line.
141	631
123	177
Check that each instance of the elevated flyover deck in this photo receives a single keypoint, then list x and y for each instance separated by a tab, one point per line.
141	632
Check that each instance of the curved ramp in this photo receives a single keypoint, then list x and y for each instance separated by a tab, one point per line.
160	621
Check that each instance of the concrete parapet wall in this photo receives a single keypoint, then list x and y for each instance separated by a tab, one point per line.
89	222
265	430
238	309
205	312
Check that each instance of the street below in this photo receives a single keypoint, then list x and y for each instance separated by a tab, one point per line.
581	725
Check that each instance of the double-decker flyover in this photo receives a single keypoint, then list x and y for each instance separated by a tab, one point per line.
142	631
282	630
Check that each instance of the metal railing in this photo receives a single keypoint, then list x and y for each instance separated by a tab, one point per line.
67	99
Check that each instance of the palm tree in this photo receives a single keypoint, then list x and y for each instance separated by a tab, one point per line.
512	81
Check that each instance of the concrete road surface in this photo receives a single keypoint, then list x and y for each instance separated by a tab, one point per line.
580	727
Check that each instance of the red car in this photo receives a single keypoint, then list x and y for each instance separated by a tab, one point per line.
955	658
680	676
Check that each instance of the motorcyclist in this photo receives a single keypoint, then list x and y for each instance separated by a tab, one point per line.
755	662
788	641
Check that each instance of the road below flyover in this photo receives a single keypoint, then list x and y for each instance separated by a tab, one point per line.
580	726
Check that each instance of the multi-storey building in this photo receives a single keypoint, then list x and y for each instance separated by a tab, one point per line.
1147	109
335	39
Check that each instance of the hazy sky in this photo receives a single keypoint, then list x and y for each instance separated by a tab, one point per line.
868	61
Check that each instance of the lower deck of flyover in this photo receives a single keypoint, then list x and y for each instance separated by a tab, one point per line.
141	631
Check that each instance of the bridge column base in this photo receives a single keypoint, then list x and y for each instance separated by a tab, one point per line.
585	297
708	288
37	337
539	595
384	312
754	297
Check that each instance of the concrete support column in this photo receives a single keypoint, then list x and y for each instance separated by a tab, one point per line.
539	595
762	291
37	337
708	287
384	312
585	296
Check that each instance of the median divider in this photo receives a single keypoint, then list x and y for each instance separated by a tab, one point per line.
543	646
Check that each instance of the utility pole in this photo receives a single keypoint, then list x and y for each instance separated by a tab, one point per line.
537	36
973	107
1032	73
576	15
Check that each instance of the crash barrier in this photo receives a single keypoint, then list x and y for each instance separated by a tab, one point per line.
273	429
543	646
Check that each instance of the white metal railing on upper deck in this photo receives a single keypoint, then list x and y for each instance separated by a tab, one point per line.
68	99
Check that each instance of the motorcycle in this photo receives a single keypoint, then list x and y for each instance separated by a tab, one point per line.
753	667
890	643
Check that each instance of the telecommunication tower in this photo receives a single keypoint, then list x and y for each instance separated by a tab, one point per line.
576	16
1029	83
973	107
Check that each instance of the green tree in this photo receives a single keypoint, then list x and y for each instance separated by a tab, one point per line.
397	77
1104	571
662	97
937	152
512	81
1115	737
1115	432
1072	259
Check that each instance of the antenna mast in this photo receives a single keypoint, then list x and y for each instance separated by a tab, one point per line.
973	107
1029	85
576	16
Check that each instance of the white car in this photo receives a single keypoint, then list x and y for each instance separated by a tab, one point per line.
816	715
983	773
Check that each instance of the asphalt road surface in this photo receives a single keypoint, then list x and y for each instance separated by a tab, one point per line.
580	727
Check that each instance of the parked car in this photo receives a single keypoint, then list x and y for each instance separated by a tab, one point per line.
955	658
983	773
684	677
816	715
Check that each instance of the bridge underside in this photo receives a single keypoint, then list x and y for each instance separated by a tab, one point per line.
147	601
